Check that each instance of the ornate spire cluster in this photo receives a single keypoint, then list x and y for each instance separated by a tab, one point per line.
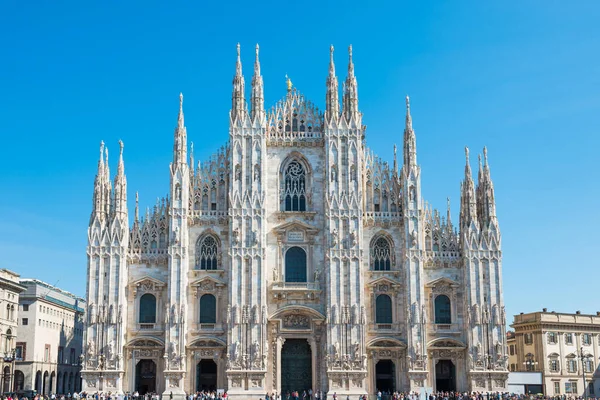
486	201
410	141
350	90
180	140
332	102
238	100
258	96
108	202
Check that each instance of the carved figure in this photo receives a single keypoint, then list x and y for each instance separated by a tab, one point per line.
317	275
120	316
235	235
172	349
336	349
334	237
91	349
352	238
356	351
182	314
418	349
238	172
174	314
476	316
256	173
363	315
166	313
333	314
111	315
255	314
354	319
110	351
92	313
228	314
254	349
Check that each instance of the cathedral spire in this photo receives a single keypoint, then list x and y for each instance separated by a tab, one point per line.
485	193
331	99
120	192
448	214
238	102
258	101
136	219
350	90
107	186
98	206
410	141
468	202
180	140
395	160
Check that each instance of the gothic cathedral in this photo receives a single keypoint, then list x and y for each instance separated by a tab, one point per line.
293	259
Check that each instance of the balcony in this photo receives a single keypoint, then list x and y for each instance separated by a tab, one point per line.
296	290
384	328
148	327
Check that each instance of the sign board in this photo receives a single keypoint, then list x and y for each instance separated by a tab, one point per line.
296	236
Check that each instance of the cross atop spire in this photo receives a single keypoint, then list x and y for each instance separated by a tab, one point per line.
331	63
257	98
238	63
238	102
350	90
180	140
350	62
410	141
332	103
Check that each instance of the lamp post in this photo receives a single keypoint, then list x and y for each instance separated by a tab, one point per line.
583	360
10	357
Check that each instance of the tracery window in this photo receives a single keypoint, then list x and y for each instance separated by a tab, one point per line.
442	310
295	187
383	309
207	253
295	265
208	309
147	309
381	255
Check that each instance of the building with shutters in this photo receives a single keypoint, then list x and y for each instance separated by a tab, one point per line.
50	339
293	259
564	347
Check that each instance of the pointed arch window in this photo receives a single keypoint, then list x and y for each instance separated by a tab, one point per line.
295	187
208	309
295	265
443	311
147	309
207	253
383	309
381	255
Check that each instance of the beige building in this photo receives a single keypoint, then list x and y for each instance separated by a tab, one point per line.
294	259
564	347
9	315
50	339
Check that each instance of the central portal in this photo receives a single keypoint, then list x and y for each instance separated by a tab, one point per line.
296	366
145	377
445	376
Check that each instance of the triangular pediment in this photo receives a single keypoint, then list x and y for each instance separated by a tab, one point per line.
208	281
382	281
295	225
147	281
442	282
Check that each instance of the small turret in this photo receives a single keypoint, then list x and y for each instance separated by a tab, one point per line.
120	192
468	202
258	96
180	140
332	102
350	90
410	141
486	201
238	102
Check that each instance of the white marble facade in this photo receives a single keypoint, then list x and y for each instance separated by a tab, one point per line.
293	257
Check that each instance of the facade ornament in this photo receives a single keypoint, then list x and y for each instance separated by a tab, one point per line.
264	315
111	315
120	315
91	349
235	236
166	312
334	237
174	314
352	238
228	314
317	275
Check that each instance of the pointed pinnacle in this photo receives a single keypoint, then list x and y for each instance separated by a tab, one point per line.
485	159
137	207
238	63
350	63
101	161
331	63
257	63
180	121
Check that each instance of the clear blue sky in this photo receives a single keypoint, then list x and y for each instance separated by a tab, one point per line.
521	77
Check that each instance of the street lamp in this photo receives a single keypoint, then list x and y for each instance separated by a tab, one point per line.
583	357
530	364
9	357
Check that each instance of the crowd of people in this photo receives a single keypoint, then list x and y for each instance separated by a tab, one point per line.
304	395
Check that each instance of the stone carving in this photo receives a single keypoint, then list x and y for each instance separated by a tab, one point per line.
476	316
255	317
363	315
334	237
174	314
110	353
228	314
264	314
334	314
92	313
336	349
413	239
257	173
245	312
356	351
182	314
296	321
120	315
166	313
91	349
352	238
235	236
317	275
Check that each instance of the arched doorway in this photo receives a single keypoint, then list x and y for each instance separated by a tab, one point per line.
445	376
45	383
52	378
19	381
59	381
145	376
38	381
296	366
385	376
6	380
206	375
